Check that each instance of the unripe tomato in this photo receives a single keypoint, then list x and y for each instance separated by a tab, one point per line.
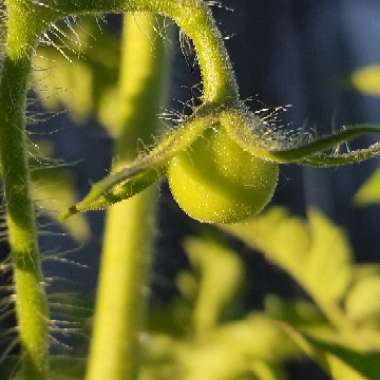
216	181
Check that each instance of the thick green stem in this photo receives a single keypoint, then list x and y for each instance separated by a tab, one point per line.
31	303
127	251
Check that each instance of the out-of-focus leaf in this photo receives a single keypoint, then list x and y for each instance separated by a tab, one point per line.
329	268
253	348
188	285
340	363
250	349
257	338
362	305
367	80
235	349
174	320
221	274
369	192
83	80
53	191
316	253
159	356
363	301
208	295
295	312
363	271
282	238
266	371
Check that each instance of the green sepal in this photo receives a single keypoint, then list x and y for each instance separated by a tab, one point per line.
100	197
147	169
326	142
331	160
247	130
53	189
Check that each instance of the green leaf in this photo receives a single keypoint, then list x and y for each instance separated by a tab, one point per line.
235	350
160	357
53	190
256	337
339	362
266	371
296	312
82	87
367	80
369	192
363	301
316	253
248	349
220	276
330	259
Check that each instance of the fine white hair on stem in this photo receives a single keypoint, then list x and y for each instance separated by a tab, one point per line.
8	350
187	49
218	4
56	342
63	260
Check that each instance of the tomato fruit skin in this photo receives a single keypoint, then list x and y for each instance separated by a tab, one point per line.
216	181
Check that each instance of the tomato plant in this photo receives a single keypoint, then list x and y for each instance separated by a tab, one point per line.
222	163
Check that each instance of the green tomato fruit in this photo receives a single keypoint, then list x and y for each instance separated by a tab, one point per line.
216	181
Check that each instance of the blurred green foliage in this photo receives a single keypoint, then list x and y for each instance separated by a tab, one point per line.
204	332
90	86
366	80
317	254
53	190
369	193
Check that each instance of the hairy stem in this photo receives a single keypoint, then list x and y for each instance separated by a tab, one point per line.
31	302
192	16
127	250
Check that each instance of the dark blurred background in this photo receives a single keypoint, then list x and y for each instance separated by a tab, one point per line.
296	52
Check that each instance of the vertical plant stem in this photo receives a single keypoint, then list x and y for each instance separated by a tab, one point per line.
30	298
130	225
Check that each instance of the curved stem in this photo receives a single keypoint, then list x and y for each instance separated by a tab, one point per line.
192	16
130	226
30	300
